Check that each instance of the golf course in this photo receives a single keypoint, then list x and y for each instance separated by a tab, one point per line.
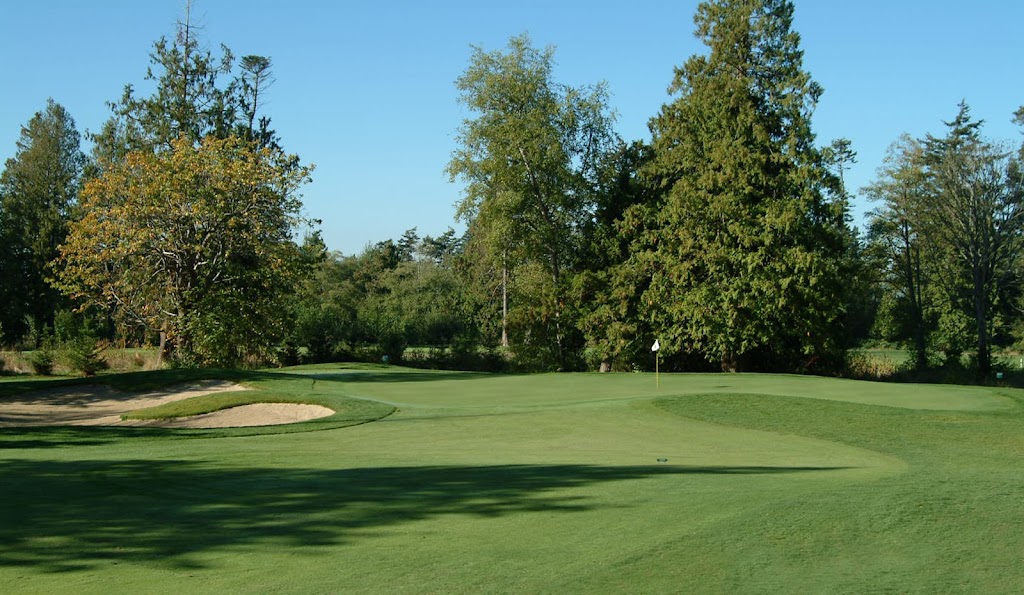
451	482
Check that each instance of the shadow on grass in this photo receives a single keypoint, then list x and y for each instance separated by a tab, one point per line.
73	436
58	516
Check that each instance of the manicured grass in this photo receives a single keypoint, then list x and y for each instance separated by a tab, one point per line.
541	483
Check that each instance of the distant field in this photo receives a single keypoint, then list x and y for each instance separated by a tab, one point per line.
555	483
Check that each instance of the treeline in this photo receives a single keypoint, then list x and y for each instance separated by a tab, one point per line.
727	236
179	228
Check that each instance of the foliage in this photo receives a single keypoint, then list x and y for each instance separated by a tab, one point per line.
41	360
607	287
38	191
745	250
897	233
195	242
76	343
949	230
393	295
976	220
82	354
529	158
464	357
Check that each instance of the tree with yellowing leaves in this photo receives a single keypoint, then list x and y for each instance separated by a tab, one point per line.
195	242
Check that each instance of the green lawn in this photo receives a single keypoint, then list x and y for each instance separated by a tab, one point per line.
534	483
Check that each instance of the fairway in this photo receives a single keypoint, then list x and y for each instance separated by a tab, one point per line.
534	483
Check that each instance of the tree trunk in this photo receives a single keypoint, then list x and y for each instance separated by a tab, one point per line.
166	349
981	324
730	362
504	300
913	282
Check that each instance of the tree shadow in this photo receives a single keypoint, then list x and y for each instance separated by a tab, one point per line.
41	437
168	511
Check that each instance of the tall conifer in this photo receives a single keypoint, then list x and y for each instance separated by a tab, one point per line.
745	248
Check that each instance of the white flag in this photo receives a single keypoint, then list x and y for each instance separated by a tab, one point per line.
656	346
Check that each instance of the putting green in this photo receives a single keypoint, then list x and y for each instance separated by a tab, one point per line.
480	390
614	433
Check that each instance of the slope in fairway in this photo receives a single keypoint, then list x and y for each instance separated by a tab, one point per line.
554	483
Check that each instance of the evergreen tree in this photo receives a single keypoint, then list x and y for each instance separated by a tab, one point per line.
253	83
745	249
975	218
192	98
38	190
188	101
607	287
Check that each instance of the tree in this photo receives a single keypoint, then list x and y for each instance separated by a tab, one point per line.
745	249
255	80
529	159
897	230
407	244
188	100
608	286
442	249
195	242
38	191
842	156
975	219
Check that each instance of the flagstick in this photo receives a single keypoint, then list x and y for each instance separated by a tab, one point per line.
656	348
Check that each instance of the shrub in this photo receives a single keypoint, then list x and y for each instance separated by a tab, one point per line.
84	355
41	360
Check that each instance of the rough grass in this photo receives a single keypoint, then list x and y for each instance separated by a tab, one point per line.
548	483
118	359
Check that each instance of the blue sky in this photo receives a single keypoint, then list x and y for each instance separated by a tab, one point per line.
365	90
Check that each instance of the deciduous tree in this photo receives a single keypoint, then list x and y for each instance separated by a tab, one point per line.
897	229
195	241
529	159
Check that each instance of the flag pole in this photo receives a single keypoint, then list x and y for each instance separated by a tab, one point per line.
657	356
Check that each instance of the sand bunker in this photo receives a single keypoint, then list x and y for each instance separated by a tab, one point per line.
103	406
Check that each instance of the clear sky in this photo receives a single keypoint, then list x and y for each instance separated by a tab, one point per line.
365	90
